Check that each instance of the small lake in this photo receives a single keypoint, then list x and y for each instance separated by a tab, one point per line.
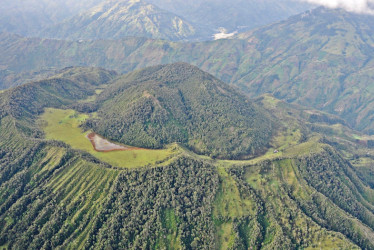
103	145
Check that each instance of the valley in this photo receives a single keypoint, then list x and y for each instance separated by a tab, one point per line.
286	59
125	125
63	125
277	197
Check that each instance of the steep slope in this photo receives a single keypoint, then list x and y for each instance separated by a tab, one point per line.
180	103
328	48
235	15
321	59
307	195
72	84
28	17
118	19
10	79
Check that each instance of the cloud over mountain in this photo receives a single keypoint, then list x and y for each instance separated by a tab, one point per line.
357	6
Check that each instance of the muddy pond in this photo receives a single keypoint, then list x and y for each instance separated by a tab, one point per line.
103	145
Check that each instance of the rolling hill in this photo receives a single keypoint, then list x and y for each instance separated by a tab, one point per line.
118	19
10	79
157	106
309	190
321	59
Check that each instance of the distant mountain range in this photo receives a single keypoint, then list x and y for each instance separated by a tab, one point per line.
234	15
118	19
321	59
29	17
109	19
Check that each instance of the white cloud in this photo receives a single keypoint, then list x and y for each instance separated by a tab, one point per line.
358	6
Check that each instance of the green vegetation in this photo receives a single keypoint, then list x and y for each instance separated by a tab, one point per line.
57	192
280	188
324	60
179	103
10	79
64	125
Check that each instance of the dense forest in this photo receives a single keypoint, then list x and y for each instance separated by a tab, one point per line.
321	59
180	103
310	194
173	124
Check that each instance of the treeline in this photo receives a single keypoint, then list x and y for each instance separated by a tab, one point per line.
66	88
140	210
333	177
146	208
54	197
294	215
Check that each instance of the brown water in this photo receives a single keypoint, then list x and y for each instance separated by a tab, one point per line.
103	145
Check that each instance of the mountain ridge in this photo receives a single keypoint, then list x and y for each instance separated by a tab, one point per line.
118	19
278	199
181	103
284	54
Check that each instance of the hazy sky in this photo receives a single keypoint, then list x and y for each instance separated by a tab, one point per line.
358	6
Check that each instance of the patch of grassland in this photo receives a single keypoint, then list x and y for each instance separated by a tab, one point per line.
80	187
171	238
228	206
228	203
285	149
4	247
362	162
63	125
93	97
226	235
330	242
282	212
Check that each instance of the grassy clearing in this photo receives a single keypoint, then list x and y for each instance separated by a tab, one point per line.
171	238
63	125
228	206
285	149
226	235
80	183
228	203
282	212
4	247
98	91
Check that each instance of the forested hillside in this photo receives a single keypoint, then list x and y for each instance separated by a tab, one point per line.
179	103
10	79
330	49
173	124
311	189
